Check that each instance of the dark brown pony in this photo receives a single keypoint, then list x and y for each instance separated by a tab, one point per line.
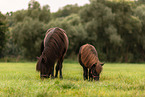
53	49
88	59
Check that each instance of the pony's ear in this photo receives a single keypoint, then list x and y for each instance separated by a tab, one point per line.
102	64
37	58
94	65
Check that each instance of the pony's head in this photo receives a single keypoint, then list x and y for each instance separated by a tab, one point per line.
96	70
42	66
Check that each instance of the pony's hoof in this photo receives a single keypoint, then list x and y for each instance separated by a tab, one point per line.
61	77
53	77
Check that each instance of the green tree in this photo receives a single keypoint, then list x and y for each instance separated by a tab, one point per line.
45	15
128	27
66	11
27	30
112	29
11	49
3	29
97	19
141	1
28	35
19	16
139	12
36	12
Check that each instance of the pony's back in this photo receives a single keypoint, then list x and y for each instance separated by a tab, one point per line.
88	55
56	41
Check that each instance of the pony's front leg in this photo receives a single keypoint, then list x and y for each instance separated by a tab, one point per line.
61	71
52	73
85	74
90	75
59	68
56	69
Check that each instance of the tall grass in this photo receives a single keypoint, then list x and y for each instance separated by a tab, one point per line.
22	80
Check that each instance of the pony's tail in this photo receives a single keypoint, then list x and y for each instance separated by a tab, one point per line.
38	65
42	47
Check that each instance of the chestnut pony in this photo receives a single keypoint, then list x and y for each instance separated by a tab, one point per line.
53	49
88	59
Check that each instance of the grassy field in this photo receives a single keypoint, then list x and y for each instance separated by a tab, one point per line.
22	80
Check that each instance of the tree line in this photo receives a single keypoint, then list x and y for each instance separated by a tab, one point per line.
115	28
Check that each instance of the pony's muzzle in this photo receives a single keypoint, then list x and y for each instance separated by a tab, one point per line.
96	78
43	76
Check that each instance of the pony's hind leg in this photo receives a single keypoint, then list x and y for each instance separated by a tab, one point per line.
56	69
52	73
90	75
59	68
42	47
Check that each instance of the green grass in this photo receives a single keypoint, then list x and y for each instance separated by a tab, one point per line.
22	80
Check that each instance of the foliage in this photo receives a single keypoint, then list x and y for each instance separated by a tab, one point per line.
99	19
115	28
28	37
66	11
140	13
11	49
21	79
3	28
27	30
36	12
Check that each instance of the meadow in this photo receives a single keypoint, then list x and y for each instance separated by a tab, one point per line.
117	80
